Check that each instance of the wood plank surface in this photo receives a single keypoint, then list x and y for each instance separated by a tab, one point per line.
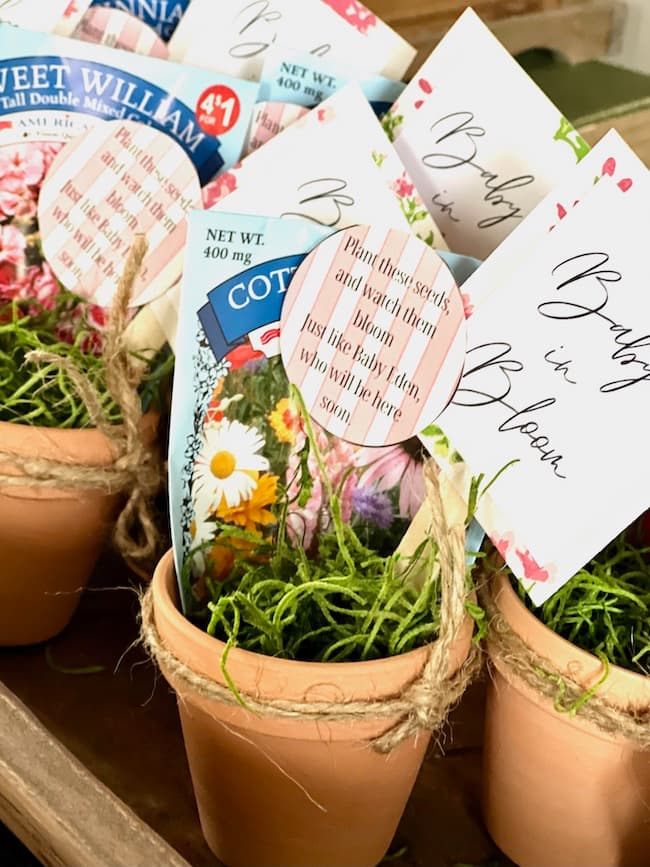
60	810
121	725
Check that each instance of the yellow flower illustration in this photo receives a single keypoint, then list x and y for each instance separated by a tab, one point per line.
285	420
252	512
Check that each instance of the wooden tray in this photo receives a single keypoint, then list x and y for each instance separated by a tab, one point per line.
93	770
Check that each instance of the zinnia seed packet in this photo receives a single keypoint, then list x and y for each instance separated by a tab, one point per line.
163	16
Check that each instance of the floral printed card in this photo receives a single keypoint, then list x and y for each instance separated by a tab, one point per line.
483	143
299	77
555	376
334	167
245	30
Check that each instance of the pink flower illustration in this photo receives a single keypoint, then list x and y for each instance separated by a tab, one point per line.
218	188
532	569
386	467
503	544
354	13
12	252
468	307
403	187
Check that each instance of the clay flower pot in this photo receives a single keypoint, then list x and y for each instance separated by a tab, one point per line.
557	790
277	792
50	537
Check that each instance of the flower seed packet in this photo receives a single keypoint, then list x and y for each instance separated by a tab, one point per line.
485	147
162	16
53	89
103	25
299	77
269	119
554	388
237	442
246	31
333	167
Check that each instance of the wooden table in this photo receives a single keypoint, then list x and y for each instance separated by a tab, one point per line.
125	799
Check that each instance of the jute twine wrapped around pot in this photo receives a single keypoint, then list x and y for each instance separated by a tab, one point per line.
426	702
136	468
542	676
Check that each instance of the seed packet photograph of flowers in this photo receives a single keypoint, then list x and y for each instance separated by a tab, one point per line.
294	530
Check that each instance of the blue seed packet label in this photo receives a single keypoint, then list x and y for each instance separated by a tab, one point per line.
162	15
305	79
52	88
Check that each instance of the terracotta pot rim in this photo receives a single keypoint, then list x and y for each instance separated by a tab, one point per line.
165	591
548	643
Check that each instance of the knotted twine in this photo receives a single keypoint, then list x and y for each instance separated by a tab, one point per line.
542	676
136	467
424	703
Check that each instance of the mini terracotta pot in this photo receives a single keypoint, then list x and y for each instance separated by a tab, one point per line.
50	538
277	792
557	790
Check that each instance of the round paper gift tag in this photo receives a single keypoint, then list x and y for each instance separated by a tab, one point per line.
117	29
373	334
116	180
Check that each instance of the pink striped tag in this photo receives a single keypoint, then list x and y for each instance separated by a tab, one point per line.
373	334
118	179
117	29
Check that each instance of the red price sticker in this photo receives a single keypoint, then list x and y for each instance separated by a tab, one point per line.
217	110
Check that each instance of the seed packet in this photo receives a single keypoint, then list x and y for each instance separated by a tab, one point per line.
334	167
236	437
269	119
301	78
45	17
53	89
237	44
162	16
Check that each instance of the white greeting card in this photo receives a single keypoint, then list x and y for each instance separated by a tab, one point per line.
236	43
481	141
334	167
43	16
611	161
556	379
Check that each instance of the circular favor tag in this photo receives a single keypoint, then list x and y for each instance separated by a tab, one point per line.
105	26
118	179
373	334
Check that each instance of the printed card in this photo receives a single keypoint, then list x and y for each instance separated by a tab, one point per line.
246	30
554	389
483	146
333	168
37	15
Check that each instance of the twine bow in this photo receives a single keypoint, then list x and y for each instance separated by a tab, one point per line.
424	704
135	468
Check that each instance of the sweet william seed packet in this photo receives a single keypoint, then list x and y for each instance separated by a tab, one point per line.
299	77
236	438
246	30
51	88
483	145
333	168
163	16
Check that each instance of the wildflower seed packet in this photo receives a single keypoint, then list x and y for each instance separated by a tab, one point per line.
246	30
299	77
105	26
483	147
334	167
237	441
163	16
554	388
